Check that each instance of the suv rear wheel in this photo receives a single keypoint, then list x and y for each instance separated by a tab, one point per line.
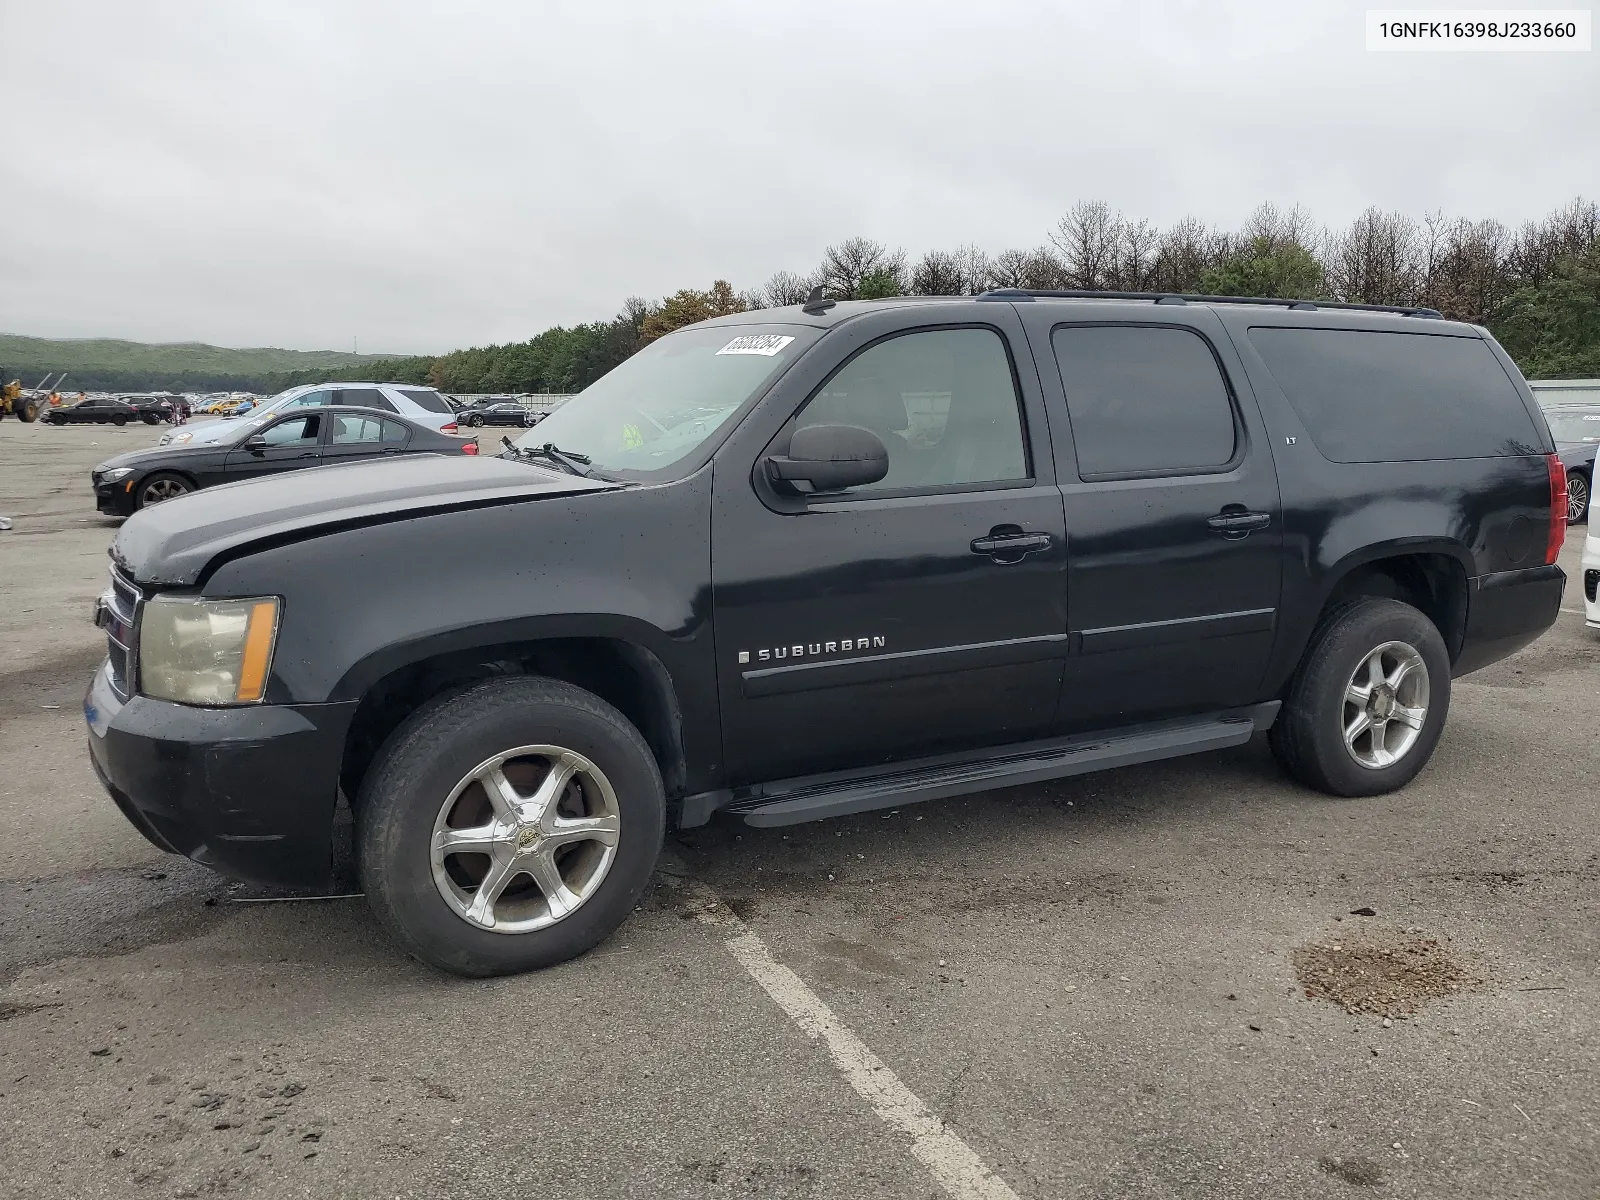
510	826
1368	703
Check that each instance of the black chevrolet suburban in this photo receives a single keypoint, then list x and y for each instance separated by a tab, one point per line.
790	564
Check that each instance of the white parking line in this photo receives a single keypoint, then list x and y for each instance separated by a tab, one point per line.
951	1162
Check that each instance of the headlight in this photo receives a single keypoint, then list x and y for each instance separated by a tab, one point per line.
115	474
176	439
206	651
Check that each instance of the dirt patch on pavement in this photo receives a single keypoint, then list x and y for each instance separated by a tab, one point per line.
1386	974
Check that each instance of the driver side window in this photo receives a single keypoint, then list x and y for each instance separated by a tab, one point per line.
943	401
298	431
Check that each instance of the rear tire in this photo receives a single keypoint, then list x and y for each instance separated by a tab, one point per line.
29	411
1396	709
119	420
427	788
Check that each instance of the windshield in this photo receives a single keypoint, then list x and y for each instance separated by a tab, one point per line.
1580	426
655	409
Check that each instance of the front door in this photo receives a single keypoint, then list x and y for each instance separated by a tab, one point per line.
1174	526
922	614
287	444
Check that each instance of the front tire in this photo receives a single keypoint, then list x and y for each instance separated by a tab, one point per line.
1577	497
164	485
474	422
1368	703
530	787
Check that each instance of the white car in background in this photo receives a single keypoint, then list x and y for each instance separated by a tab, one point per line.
1591	578
420	404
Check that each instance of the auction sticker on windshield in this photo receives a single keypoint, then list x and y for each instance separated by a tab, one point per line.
766	344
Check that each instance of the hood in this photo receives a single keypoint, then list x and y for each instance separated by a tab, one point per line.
161	454
173	543
212	433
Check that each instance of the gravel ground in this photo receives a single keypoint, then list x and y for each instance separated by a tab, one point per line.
1093	982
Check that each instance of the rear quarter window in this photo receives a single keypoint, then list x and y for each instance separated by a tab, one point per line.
424	398
1371	396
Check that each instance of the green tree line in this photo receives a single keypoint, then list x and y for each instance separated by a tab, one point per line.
1536	287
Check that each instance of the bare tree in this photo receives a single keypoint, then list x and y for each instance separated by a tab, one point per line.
785	287
846	264
974	265
1035	270
1464	267
1133	268
1538	246
938	273
1086	239
1379	259
1185	253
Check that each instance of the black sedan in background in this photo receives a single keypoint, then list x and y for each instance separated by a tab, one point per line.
281	442
1576	428
109	410
500	414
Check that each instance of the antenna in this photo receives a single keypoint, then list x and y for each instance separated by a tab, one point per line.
815	303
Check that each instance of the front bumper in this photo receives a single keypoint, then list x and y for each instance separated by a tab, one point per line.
248	791
114	499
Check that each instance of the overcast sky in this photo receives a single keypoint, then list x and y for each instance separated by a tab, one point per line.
428	176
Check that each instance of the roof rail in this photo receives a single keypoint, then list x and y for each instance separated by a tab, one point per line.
1188	298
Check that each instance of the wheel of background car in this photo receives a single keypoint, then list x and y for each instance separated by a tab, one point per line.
163	485
508	827
1577	497
475	419
1368	702
120	420
150	418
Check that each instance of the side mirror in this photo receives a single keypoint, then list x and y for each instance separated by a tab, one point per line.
828	458
257	441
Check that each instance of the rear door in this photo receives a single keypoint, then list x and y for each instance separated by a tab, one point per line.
1174	525
288	444
926	613
352	438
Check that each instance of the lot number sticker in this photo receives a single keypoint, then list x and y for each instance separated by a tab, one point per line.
765	344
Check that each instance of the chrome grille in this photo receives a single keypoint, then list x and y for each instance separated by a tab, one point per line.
118	614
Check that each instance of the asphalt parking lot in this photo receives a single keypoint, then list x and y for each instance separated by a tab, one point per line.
1088	986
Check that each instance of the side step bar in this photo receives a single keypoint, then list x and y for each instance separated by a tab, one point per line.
795	801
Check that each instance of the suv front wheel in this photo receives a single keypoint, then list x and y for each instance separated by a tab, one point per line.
1368	704
510	826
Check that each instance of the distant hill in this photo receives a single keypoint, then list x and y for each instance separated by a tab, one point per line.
94	363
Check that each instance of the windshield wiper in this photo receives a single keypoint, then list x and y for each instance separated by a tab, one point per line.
565	459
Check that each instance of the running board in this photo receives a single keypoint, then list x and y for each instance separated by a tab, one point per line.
800	800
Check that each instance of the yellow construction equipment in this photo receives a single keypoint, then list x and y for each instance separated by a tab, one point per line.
22	403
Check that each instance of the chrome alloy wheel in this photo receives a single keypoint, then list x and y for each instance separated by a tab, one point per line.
525	838
1577	498
1385	705
158	490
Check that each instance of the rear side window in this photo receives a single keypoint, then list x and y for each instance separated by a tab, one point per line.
394	433
364	398
1367	396
425	398
1144	400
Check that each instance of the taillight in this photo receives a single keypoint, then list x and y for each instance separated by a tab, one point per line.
1558	508
469	448
450	428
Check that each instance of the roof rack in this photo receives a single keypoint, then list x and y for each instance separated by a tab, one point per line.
1187	298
